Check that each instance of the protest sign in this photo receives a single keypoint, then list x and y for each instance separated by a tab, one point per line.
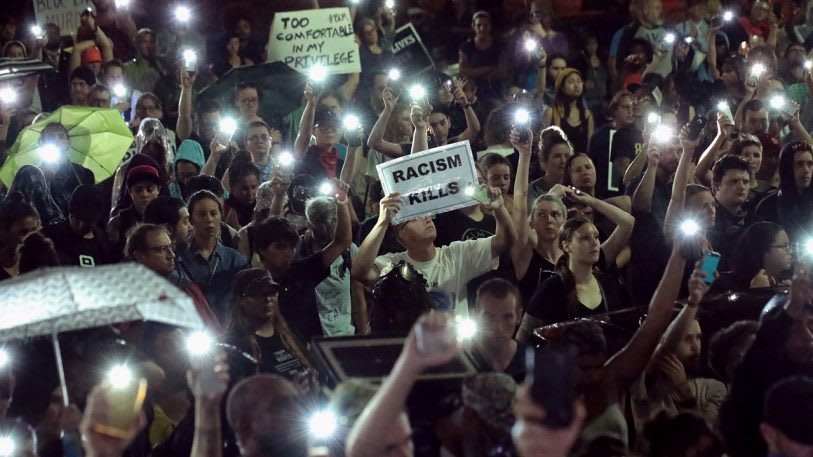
64	13
409	53
430	182
302	39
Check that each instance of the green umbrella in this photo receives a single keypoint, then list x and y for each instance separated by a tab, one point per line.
99	139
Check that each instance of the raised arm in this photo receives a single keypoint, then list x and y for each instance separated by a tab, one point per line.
624	223
636	167
629	363
364	268
506	234
184	125
207	441
642	197
472	123
105	45
703	170
303	137
676	202
420	120
541	76
522	250
376	139
343	236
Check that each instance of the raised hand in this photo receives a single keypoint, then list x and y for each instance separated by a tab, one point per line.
388	207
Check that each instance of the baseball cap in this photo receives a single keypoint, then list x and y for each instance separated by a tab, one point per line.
91	55
324	115
143	173
252	280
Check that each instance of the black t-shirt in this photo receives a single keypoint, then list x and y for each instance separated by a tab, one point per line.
727	230
484	58
297	295
76	250
549	303
456	226
276	358
515	368
539	269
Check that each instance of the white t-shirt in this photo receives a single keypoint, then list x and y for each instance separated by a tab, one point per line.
452	267
333	298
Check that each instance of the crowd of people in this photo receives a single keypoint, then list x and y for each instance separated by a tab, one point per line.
633	274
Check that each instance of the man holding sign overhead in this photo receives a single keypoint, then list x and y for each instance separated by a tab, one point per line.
448	268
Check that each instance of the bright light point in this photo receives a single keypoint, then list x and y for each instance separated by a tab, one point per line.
809	247
317	73
777	102
653	118
49	153
8	95
688	40
390	4
323	424
122	3
355	2
325	188
522	116
119	90
808	64
669	38
199	343
690	228
728	16
190	57
227	125
36	30
722	106
286	159
7	446
530	45
120	376
469	191
758	69
466	328
183	13
4	358
733	297
417	92
394	74
663	133
351	122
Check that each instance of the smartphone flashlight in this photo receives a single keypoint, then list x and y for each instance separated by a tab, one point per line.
119	90
120	376
227	125
183	13
326	188
728	16
36	30
390	4
417	92
522	116
351	122
8	96
5	358
663	134
777	102
49	153
323	424
190	59
469	191
688	40
355	2
689	227
122	3
317	73
758	69
808	247
530	45
669	38
394	74
808	64
724	108
653	118
199	343
286	159
7	446
466	328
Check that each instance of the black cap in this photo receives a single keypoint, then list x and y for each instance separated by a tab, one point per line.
789	408
324	115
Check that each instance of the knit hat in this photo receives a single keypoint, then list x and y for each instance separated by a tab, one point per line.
562	76
789	408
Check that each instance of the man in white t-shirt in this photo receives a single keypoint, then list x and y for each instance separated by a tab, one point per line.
448	268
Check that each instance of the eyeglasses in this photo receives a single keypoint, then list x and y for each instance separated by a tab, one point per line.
258	138
163	249
786	246
249	101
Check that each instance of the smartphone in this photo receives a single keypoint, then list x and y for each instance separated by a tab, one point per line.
553	383
481	194
717	21
435	342
696	127
725	108
207	380
709	265
523	134
124	405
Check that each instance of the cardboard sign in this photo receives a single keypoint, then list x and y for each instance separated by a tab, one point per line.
63	13
430	182
409	52
302	39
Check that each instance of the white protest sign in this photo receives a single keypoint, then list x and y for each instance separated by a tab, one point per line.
430	182
302	39
63	13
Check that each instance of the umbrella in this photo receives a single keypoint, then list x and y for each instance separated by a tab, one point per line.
17	68
99	139
280	84
54	300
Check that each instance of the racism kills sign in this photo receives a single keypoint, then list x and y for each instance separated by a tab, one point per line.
302	39
430	182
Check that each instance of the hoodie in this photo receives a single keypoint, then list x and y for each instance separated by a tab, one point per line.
190	151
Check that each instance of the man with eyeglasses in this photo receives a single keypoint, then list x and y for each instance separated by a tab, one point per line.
263	143
150	245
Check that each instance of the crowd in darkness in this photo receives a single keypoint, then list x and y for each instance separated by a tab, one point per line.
634	268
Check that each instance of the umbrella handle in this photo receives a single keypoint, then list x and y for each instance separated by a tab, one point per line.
60	369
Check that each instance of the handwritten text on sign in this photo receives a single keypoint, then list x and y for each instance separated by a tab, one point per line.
302	39
430	182
64	13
